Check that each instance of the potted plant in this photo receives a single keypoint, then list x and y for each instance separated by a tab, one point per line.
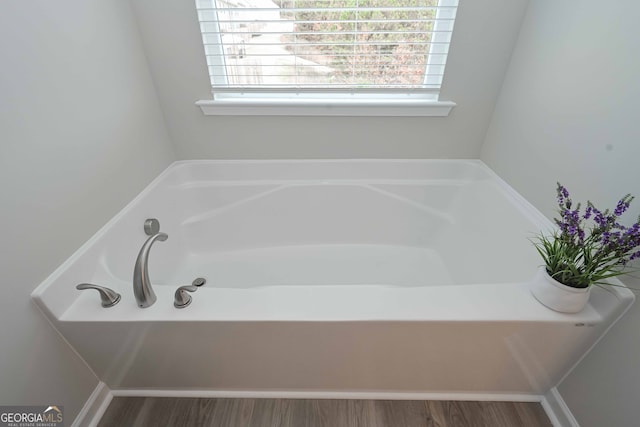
587	248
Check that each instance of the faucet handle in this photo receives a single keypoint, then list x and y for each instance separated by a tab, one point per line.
108	296
182	298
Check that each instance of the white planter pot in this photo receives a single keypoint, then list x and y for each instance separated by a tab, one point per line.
557	296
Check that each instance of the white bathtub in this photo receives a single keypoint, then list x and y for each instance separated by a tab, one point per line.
326	277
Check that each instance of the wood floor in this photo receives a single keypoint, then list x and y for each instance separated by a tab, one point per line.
178	412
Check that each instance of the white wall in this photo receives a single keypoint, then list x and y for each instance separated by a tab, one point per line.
483	39
568	111
81	133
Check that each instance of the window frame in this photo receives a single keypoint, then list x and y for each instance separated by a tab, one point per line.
330	102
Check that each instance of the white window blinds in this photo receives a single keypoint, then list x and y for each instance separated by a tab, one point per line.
326	45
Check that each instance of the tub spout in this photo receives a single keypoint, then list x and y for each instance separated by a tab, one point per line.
142	289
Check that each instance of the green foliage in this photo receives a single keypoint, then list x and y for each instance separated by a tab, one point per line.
393	43
591	247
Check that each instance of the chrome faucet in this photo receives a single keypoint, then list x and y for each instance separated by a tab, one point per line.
142	289
109	297
182	298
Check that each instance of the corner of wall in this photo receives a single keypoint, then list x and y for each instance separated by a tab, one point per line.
94	407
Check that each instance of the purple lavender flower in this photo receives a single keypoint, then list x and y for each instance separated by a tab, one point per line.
621	208
591	247
588	211
623	205
563	196
599	218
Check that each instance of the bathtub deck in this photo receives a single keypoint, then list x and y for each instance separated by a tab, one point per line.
156	412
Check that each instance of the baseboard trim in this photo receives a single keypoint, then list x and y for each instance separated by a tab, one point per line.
94	407
557	410
92	411
285	394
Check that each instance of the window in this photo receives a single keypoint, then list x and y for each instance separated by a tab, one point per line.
336	55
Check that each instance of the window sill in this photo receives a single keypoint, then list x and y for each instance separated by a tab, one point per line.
323	107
